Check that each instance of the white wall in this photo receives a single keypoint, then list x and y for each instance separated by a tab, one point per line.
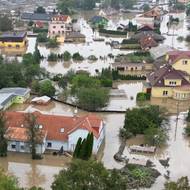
39	148
56	145
73	138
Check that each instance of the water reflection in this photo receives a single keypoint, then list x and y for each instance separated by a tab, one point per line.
33	172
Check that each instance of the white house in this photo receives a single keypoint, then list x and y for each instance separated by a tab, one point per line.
59	132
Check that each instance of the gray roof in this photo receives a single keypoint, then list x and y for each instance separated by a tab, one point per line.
154	35
5	98
16	91
36	16
160	51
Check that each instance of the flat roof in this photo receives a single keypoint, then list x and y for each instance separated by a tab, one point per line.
13	35
16	91
5	98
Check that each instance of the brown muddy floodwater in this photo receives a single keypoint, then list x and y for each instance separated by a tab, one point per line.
177	149
33	172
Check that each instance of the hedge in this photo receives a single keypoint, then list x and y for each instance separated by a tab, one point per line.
113	32
40	30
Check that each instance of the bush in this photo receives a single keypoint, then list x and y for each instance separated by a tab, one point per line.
66	56
130	41
180	38
46	88
52	57
52	43
187	39
106	82
92	58
155	136
141	96
77	57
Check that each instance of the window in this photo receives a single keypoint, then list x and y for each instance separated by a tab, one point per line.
49	144
61	26
172	83
22	147
54	26
62	130
17	46
13	146
165	93
9	46
185	62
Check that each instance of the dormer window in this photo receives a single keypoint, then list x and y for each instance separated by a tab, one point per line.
184	62
62	130
40	126
172	83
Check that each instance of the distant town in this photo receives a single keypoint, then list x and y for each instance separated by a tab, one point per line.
94	94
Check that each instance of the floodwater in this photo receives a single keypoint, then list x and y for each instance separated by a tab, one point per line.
177	149
33	172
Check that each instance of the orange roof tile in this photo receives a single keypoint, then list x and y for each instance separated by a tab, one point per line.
54	123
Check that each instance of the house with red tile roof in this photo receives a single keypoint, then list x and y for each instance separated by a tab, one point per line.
147	43
167	82
180	60
58	132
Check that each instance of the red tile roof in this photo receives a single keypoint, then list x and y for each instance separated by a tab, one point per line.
63	18
21	134
54	123
148	42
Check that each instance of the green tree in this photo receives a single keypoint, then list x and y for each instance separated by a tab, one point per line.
40	9
8	182
146	7
83	80
46	88
181	184
84	148
77	57
36	55
3	140
5	23
67	56
155	136
34	134
88	175
92	98
52	43
42	37
65	6
138	120
77	148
